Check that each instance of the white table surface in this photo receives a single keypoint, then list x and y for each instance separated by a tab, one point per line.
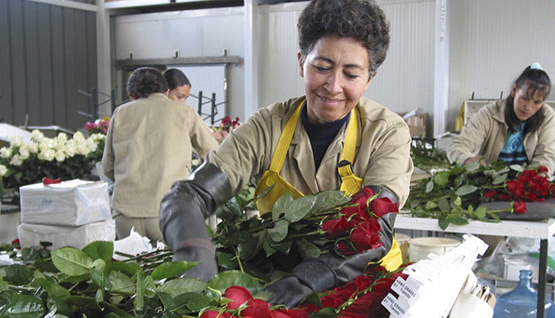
528	229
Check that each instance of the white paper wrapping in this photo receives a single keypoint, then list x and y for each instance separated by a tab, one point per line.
71	203
60	236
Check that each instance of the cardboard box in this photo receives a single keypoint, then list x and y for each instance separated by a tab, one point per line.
418	123
70	203
61	236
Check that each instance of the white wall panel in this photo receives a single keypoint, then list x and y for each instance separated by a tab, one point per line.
405	79
492	41
197	33
279	70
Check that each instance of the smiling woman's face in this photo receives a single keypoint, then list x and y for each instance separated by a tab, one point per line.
336	74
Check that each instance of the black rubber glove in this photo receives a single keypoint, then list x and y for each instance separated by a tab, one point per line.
310	276
182	218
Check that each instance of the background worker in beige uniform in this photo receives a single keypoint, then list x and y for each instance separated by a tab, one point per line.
518	130
303	145
149	146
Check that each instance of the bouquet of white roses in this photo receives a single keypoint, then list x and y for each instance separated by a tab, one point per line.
61	157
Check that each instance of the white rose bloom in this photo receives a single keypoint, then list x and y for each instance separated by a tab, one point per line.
47	155
91	144
98	137
62	137
33	147
5	152
37	136
16	141
16	160
24	151
46	144
3	170
78	136
82	149
60	156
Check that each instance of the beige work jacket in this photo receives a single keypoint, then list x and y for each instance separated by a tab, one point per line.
382	154
149	146
487	132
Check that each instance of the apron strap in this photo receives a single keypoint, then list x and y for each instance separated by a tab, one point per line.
285	141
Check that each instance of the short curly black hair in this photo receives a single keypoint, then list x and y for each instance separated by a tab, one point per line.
145	81
361	20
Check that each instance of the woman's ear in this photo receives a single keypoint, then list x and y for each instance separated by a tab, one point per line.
301	63
513	91
167	92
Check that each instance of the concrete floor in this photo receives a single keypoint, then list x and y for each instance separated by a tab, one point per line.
8	226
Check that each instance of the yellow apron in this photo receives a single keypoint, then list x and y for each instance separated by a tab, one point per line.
274	186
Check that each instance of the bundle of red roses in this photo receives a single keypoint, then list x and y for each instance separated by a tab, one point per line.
360	298
481	192
356	228
530	185
327	222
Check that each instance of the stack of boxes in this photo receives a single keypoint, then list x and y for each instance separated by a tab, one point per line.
71	213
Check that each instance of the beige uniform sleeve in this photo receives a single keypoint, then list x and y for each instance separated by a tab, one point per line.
544	155
472	137
390	165
201	136
108	154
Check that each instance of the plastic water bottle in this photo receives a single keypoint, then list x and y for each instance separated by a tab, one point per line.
522	301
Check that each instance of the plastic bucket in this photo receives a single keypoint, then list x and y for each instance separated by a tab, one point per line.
420	247
403	241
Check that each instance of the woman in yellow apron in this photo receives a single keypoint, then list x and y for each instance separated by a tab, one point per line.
331	138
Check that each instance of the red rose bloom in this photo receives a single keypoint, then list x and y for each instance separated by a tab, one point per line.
335	228
257	308
519	207
516	188
344	248
382	206
289	313
365	236
491	194
215	314
239	295
362	196
542	169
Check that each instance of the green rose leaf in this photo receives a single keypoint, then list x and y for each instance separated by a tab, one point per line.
180	286
431	205
55	291
300	208
282	206
441	178
329	199
307	249
444	205
25	306
499	179
226	279
279	231
466	189
121	283
193	301
429	186
18	275
171	269
226	260
457	219
100	250
127	268
443	223
71	261
480	212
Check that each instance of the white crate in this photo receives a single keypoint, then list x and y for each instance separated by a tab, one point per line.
61	236
70	203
